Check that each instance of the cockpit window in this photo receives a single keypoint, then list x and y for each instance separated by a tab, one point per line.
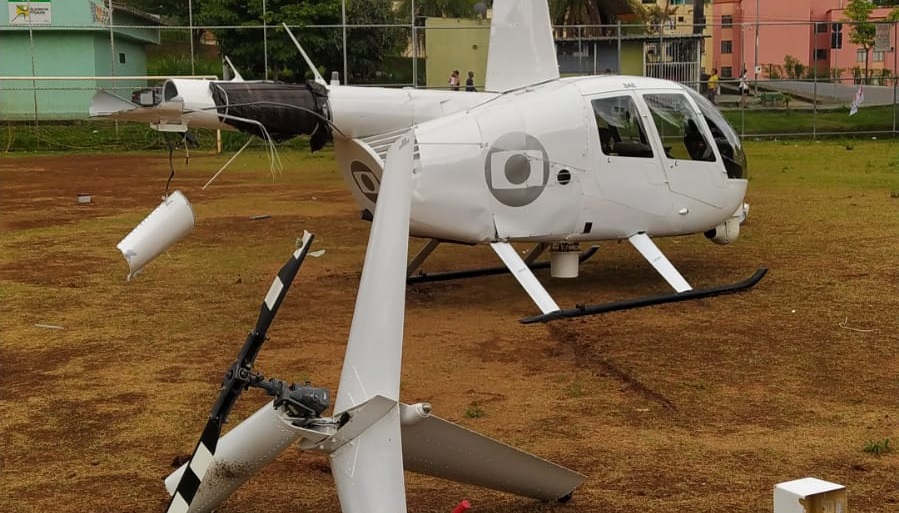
725	137
679	127
621	132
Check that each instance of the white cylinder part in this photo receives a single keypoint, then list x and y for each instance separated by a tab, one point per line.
564	264
244	451
414	413
169	223
194	93
726	232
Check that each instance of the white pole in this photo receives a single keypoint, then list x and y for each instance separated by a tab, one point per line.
895	68
346	78
265	39
190	24
414	49
755	69
111	43
33	65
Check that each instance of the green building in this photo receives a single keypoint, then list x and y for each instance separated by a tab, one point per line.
456	44
66	38
462	44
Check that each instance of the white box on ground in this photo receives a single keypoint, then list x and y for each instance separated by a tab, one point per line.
810	495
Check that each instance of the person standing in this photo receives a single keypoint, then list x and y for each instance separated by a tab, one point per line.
712	91
469	82
454	80
744	89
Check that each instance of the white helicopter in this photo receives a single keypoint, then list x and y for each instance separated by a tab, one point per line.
536	159
372	437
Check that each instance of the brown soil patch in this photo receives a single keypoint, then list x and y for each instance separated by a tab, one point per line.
699	406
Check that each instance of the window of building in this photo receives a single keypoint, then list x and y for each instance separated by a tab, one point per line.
860	55
621	131
727	46
727	21
649	1
727	72
678	2
821	54
820	28
121	58
878	56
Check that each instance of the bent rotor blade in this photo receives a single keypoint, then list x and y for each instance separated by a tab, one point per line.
234	383
374	350
368	470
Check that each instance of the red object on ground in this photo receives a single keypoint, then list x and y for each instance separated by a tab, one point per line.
462	507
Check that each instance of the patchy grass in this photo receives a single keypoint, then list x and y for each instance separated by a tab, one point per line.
878	447
699	406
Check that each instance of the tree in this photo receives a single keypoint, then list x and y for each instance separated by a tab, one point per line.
564	13
366	46
657	18
863	31
438	8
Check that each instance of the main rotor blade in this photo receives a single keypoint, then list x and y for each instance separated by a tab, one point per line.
375	347
234	383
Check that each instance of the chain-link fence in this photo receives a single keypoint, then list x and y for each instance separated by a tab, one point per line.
802	78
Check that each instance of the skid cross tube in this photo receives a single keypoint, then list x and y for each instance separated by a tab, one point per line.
486	271
582	310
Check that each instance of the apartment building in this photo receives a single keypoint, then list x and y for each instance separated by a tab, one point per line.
760	35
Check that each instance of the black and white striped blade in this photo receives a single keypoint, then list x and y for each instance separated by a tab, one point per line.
196	468
277	291
204	452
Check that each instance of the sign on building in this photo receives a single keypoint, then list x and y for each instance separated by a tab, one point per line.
29	13
882	37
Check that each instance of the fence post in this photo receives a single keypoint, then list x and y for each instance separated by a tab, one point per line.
895	68
815	84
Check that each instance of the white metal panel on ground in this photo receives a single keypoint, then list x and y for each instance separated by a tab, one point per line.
240	454
368	471
439	448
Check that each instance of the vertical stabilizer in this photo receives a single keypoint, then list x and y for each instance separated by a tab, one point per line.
522	52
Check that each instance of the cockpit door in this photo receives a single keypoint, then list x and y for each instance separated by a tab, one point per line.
691	162
628	170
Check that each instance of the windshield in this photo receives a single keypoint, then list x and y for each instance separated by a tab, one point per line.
725	137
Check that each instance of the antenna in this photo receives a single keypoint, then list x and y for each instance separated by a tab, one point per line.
318	76
237	76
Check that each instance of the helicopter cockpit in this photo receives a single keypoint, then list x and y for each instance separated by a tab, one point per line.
726	138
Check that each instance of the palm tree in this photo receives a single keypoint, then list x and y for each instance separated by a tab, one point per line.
564	13
439	8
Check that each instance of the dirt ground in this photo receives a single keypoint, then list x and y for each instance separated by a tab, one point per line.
700	406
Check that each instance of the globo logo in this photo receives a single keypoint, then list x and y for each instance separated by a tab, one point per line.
516	169
368	183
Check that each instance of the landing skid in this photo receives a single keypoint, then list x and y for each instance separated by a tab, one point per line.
422	277
582	310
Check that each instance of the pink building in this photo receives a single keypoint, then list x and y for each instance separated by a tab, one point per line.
750	33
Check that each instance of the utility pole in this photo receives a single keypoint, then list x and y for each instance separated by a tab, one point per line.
346	77
755	68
